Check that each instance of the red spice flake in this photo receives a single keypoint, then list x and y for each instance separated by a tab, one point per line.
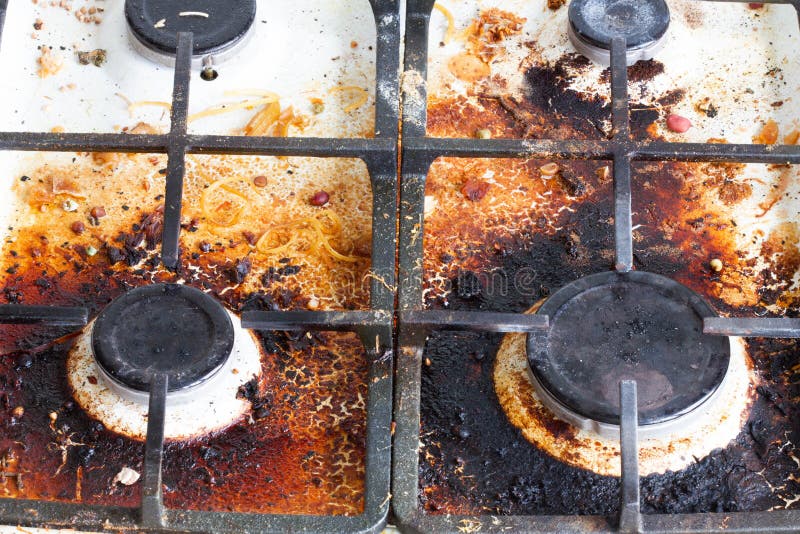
260	181
250	237
678	124
92	380
98	212
475	190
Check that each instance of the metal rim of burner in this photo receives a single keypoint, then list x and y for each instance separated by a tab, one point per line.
636	325
220	29
593	23
168	329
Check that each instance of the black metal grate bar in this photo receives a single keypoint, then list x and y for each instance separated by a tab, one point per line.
752	327
474	321
426	150
620	117
330	321
176	152
387	60
373	327
152	509
45	315
630	519
290	146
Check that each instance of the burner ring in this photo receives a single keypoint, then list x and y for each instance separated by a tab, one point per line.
594	23
166	328
613	326
217	27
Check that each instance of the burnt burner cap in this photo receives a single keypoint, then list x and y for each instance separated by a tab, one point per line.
593	23
167	328
217	26
612	326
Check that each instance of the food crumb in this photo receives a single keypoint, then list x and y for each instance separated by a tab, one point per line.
126	477
768	135
50	63
96	57
716	265
475	190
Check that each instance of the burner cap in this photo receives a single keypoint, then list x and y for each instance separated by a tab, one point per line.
217	26
593	23
168	328
614	326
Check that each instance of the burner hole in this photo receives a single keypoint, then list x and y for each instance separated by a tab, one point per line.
209	74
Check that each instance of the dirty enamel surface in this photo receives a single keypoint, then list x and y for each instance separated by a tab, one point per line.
531	234
217	400
299	428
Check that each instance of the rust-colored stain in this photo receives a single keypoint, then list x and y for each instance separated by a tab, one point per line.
533	232
299	450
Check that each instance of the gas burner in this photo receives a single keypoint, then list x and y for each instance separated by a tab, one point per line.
178	330
219	28
162	328
614	326
593	23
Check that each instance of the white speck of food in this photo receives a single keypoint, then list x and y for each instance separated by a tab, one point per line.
160	24
430	204
70	205
193	14
126	477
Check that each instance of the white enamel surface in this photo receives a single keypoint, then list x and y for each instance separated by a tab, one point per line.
217	400
299	50
316	36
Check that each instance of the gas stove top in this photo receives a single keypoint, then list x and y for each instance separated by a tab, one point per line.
595	276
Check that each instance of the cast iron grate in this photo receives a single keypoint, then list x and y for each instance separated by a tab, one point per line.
414	323
374	327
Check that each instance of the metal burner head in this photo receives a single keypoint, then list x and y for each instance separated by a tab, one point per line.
638	326
161	328
593	23
219	28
